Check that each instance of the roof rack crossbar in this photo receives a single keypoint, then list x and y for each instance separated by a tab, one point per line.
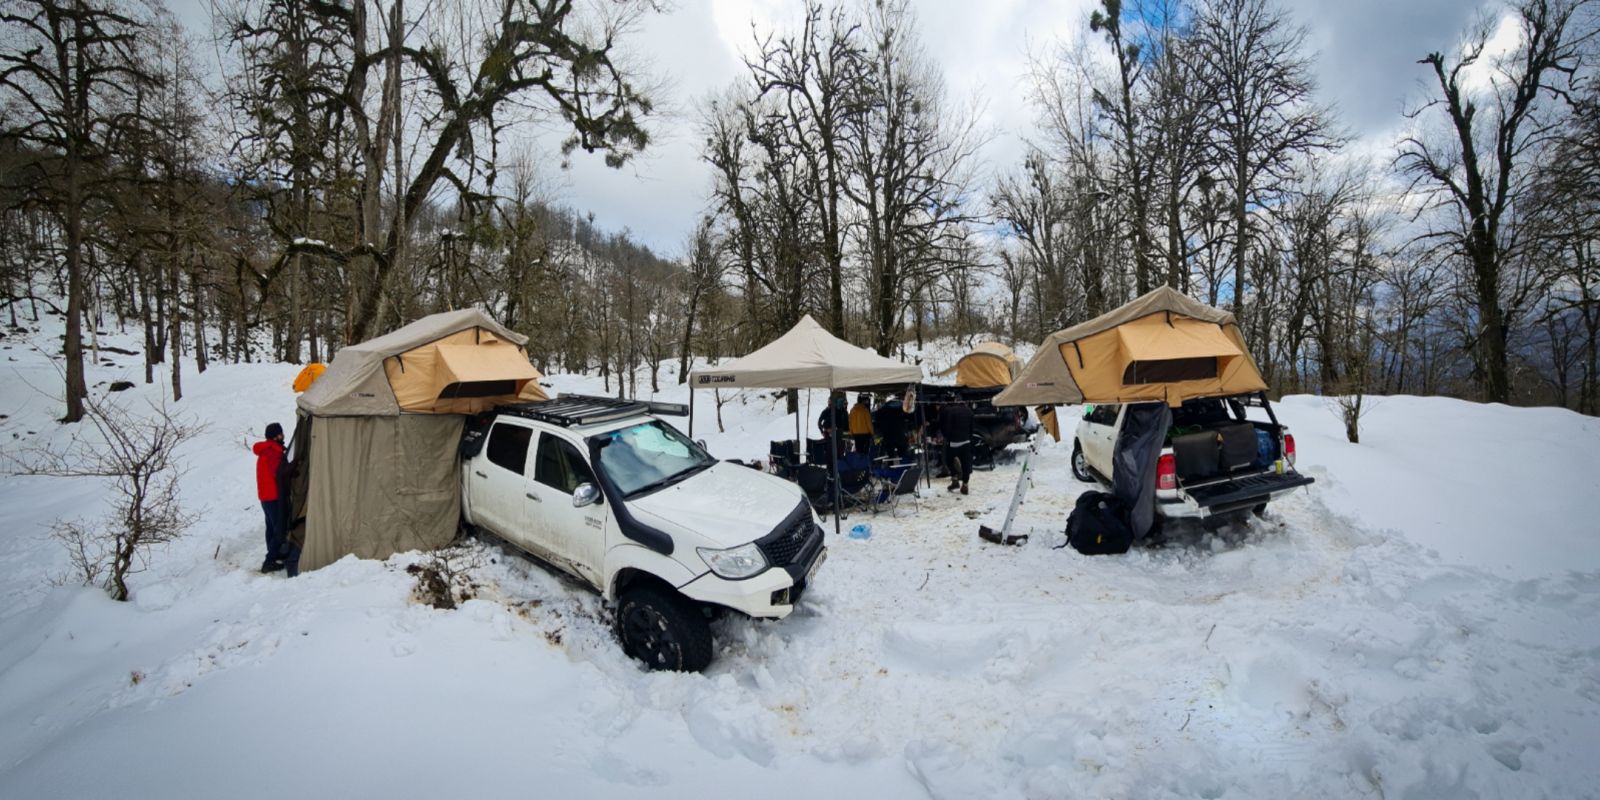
576	410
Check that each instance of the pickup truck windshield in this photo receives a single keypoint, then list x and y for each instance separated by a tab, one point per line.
648	456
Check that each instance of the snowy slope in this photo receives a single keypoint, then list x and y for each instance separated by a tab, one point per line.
1418	624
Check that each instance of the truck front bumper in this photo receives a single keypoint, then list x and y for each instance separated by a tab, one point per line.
768	595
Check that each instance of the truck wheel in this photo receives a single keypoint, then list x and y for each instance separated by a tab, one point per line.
663	630
1080	465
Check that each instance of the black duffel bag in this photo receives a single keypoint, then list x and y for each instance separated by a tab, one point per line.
1099	526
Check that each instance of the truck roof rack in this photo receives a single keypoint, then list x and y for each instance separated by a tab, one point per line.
571	410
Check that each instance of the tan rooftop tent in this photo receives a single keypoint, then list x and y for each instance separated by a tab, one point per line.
1163	346
988	364
375	450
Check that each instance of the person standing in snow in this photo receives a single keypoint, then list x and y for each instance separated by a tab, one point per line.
890	422
955	424
269	456
861	424
833	420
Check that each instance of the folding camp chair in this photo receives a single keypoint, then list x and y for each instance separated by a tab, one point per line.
817	483
905	483
783	457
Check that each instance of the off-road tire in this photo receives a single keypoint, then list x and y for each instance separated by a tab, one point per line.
1080	466
663	630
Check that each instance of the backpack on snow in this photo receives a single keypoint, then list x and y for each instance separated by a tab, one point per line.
1098	525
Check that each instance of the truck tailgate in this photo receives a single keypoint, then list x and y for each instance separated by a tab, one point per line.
1232	491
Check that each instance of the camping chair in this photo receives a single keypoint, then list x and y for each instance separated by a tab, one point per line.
817	483
858	488
783	456
903	483
818	451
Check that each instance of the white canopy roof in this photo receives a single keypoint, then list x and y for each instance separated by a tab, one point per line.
807	357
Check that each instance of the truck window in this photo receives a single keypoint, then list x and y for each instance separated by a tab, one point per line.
508	446
559	465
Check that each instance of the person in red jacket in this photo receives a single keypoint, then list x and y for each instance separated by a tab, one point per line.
269	455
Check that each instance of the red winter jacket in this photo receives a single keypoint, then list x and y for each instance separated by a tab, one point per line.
269	455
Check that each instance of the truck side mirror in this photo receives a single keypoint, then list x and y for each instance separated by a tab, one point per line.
587	494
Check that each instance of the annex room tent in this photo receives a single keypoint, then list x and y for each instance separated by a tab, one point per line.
1163	346
375	453
807	357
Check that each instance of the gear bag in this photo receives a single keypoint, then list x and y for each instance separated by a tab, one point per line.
1098	525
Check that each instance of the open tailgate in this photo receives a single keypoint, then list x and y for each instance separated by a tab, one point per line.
1236	490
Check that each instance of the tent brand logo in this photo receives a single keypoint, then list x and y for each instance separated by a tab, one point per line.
1044	383
710	379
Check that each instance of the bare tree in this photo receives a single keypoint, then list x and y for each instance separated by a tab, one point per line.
1256	74
137	456
1481	170
62	60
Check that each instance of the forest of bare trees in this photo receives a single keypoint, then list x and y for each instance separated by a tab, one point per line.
354	165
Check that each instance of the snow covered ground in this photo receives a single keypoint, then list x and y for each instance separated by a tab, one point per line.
1420	623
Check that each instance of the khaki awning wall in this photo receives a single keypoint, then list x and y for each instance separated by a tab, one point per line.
1194	349
380	485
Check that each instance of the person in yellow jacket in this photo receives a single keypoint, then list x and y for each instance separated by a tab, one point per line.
861	423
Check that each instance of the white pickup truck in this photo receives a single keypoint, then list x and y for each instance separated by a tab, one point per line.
622	501
1214	461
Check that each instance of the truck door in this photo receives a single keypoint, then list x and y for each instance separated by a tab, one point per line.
1100	436
575	537
499	481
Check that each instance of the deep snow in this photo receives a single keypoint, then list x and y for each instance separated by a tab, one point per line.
1420	623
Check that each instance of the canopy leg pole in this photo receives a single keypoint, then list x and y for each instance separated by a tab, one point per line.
833	438
691	412
799	443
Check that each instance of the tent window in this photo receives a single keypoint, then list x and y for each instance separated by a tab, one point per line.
478	389
559	466
1166	370
508	446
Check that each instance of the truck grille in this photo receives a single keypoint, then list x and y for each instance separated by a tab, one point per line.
793	540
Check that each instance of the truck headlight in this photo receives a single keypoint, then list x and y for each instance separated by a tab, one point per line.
735	563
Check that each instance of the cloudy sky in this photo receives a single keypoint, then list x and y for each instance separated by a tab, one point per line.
1365	54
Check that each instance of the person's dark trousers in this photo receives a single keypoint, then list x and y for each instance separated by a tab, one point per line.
291	558
958	459
276	544
863	443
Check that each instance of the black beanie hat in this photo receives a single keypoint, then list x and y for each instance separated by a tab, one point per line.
274	431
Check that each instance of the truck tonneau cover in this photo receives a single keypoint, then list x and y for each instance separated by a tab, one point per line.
1232	491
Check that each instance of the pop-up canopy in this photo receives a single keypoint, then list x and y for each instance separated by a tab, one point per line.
1161	346
807	357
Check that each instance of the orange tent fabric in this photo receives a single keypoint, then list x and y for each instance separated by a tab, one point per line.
309	375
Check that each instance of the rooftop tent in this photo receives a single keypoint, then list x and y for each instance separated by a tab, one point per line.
457	362
988	364
375	451
1161	346
807	357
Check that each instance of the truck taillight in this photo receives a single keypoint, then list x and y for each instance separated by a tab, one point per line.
1288	448
1167	473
